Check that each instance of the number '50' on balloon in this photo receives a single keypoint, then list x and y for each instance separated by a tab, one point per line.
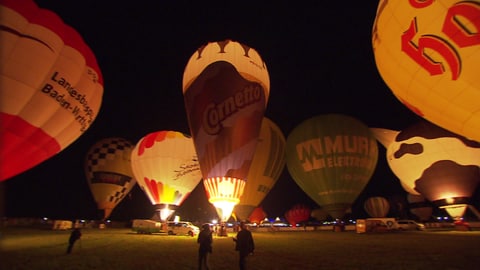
428	53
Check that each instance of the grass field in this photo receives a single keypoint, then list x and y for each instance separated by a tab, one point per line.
117	249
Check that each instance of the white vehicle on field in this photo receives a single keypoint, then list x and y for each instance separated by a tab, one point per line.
146	226
376	225
182	228
407	224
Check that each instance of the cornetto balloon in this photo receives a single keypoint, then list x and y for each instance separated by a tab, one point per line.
428	53
51	86
225	87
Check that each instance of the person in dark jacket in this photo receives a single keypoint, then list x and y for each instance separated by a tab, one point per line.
244	244
74	236
204	240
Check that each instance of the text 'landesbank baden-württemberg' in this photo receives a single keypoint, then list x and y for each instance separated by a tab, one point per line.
70	99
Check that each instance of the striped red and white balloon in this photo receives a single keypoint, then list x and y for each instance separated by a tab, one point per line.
51	87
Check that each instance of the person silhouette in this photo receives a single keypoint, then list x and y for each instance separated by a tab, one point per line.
74	236
244	244
204	240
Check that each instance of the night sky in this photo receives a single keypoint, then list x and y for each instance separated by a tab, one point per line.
318	54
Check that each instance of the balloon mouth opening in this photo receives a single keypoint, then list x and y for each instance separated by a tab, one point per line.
224	189
165	211
442	203
454	206
224	207
456	211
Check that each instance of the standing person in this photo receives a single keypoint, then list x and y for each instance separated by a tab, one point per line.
74	236
244	244
204	240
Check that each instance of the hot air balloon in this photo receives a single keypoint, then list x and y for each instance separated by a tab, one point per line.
166	167
376	207
428	53
298	213
268	163
332	158
109	172
257	215
420	207
433	162
226	87
51	86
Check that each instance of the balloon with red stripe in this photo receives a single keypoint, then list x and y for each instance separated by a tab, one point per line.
51	86
166	166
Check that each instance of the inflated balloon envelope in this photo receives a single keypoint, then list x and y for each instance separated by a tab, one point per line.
332	158
433	162
428	53
109	172
268	163
376	207
298	213
50	86
166	166
226	87
257	215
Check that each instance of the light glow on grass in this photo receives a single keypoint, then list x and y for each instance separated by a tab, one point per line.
123	249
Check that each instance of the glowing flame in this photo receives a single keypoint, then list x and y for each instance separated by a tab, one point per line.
224	193
165	212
